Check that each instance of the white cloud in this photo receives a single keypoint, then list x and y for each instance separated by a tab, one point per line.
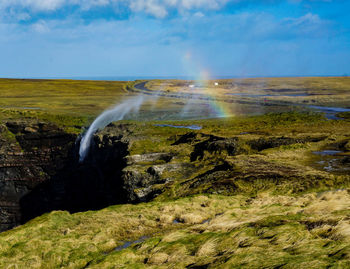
152	7
308	18
89	4
40	27
22	16
198	14
35	5
157	8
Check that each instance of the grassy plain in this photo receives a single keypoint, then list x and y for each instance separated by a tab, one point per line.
275	207
327	91
60	96
174	99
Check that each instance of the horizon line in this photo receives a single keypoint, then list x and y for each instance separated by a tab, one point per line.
134	78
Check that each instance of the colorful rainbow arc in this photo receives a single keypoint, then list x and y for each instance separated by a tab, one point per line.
202	77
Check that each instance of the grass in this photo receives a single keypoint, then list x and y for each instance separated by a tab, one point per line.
90	98
279	169
269	231
61	96
70	123
269	208
328	91
344	115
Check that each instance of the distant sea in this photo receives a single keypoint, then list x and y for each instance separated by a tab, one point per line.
131	78
126	78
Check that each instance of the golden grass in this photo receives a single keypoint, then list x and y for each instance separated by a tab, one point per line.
299	222
308	231
61	96
89	98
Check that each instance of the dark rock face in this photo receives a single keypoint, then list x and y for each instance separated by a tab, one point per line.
40	172
91	185
216	145
210	143
30	153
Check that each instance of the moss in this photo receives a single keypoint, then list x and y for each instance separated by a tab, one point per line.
8	135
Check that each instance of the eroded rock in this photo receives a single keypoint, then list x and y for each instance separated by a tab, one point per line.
214	144
151	157
273	142
29	155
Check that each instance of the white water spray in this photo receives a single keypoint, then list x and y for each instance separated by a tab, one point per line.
116	113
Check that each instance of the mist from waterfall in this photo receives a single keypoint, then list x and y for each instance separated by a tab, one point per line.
118	112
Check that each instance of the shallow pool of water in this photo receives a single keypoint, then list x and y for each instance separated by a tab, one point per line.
330	112
191	127
129	243
331	109
330	160
268	95
327	152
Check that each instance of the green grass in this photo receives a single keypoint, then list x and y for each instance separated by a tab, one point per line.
344	115
279	170
271	209
305	235
61	96
70	123
89	98
328	91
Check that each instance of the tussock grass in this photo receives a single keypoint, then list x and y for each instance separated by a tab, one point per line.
305	232
272	208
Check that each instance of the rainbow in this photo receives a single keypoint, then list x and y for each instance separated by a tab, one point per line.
202	77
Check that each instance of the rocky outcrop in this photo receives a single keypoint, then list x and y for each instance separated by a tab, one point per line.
40	171
30	153
273	142
151	157
212	144
215	144
91	185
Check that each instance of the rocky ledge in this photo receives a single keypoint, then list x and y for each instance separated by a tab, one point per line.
30	154
40	172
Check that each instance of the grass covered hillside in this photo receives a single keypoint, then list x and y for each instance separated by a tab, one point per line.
268	190
239	193
210	231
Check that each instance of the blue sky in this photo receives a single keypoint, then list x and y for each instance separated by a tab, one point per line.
84	38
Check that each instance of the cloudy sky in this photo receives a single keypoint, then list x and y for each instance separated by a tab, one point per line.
89	38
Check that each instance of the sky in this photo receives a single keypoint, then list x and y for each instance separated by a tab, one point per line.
169	38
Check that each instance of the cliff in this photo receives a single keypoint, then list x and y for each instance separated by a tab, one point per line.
40	172
30	153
